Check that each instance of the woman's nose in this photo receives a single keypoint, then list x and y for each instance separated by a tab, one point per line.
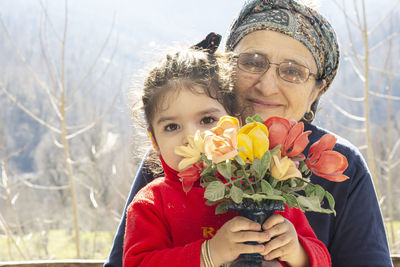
268	81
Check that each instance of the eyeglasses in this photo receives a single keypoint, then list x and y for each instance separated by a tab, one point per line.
287	71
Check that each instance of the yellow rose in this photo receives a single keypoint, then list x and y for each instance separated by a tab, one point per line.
283	168
253	137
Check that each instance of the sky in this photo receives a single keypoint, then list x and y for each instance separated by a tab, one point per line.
142	30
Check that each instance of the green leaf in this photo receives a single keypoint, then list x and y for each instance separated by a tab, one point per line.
240	160
309	190
254	118
319	192
331	201
275	150
291	200
225	170
256	166
266	188
266	159
303	167
215	191
221	208
241	173
211	203
310	203
236	194
206	170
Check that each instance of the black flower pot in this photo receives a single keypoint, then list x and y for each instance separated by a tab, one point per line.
257	213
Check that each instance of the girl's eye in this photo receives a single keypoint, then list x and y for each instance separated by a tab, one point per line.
171	127
207	120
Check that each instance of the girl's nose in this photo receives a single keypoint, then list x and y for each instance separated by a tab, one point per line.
190	129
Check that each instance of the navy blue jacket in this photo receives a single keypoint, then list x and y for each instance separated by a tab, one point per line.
354	237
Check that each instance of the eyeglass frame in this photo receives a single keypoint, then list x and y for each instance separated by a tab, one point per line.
315	76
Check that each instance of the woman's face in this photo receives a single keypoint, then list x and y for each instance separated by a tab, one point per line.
267	94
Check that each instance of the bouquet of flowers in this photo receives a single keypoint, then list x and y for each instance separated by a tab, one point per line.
261	162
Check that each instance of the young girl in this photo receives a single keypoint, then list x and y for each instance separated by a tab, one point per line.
190	91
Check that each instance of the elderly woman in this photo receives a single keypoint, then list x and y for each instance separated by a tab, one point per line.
287	57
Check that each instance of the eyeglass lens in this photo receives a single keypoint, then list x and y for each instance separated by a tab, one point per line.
259	64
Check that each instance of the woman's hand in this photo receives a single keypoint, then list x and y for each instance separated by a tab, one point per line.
283	242
228	242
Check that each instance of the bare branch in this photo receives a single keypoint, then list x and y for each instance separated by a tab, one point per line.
29	113
84	78
355	130
45	187
98	79
358	15
22	58
4	225
342	8
98	119
394	165
49	21
350	36
355	99
385	71
15	153
388	15
387	59
395	147
389	38
53	100
347	114
384	96
356	69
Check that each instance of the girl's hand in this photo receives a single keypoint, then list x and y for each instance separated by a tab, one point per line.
228	242
285	244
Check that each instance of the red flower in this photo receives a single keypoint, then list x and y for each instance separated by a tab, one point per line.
289	135
189	176
325	162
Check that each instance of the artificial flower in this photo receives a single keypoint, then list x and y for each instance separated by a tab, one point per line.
190	176
192	152
283	168
220	143
289	135
325	162
253	138
276	177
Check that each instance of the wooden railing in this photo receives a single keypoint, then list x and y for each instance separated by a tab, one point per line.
54	263
94	263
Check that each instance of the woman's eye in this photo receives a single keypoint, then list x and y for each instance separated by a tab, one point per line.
171	127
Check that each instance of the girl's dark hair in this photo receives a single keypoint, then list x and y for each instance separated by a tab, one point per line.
186	69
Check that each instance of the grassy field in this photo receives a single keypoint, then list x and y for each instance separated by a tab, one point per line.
56	244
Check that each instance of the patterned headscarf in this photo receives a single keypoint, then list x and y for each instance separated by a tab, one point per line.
295	20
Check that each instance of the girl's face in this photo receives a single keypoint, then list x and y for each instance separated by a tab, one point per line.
182	113
267	94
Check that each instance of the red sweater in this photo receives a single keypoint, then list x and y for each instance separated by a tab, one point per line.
165	226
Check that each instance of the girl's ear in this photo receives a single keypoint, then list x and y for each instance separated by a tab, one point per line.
153	142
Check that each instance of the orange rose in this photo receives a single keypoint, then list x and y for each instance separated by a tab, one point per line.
220	143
